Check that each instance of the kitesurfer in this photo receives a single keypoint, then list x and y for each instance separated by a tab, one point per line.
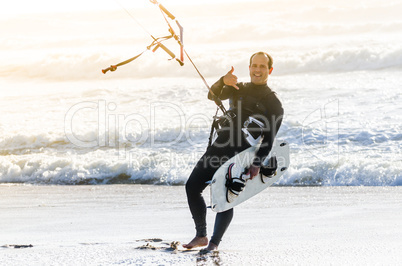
252	99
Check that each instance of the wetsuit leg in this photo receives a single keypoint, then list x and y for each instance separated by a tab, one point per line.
214	157
222	222
195	185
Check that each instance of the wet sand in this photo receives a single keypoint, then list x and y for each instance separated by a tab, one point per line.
136	224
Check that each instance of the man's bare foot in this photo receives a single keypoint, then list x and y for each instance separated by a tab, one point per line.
197	242
212	247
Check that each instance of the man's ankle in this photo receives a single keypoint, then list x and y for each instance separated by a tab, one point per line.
212	246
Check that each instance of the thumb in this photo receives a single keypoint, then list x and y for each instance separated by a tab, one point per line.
232	70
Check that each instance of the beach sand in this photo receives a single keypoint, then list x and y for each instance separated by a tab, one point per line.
107	224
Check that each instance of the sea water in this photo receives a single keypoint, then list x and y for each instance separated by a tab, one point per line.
337	71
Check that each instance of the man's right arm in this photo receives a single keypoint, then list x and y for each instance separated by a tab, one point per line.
223	88
216	89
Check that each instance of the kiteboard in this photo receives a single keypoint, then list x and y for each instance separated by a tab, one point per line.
235	170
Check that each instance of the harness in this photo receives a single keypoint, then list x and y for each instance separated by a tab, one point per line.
252	128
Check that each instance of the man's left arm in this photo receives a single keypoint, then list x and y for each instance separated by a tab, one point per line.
273	121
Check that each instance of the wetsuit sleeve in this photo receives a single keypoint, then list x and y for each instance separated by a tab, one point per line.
221	90
274	118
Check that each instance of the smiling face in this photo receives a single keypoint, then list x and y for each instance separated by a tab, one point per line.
259	69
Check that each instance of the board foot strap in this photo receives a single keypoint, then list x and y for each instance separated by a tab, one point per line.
234	185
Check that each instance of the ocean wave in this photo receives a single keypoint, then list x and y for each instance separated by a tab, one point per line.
25	143
342	60
347	171
52	160
176	138
173	168
132	166
76	66
165	149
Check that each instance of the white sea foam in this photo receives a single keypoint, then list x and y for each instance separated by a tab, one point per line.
335	138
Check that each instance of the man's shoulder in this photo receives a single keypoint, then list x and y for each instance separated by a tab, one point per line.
272	99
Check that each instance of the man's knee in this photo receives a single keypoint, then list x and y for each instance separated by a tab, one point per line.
193	187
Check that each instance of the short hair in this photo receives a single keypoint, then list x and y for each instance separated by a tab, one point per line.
270	60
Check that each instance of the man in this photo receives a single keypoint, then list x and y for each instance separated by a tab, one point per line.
254	99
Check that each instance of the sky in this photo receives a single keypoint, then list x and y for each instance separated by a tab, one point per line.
301	34
17	7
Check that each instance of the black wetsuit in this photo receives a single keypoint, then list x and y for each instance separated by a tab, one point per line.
258	101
